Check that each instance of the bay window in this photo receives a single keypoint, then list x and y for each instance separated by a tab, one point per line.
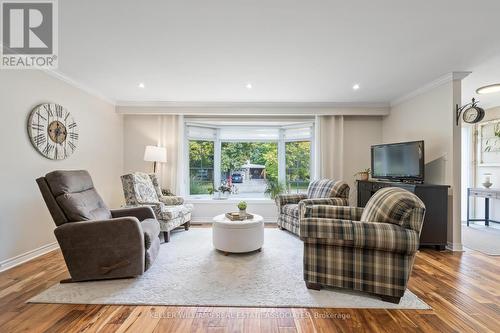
248	157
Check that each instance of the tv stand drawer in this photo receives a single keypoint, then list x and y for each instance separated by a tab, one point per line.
374	186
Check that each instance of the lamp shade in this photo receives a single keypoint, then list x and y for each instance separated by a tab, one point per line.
155	154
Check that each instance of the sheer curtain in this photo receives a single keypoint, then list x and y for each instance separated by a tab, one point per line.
329	147
171	136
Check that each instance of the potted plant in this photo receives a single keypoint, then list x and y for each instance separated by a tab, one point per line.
242	206
363	175
274	188
212	190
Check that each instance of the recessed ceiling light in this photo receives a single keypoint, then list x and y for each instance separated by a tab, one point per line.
489	89
249	86
141	85
355	87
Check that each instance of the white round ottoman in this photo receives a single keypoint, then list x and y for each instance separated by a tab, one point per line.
237	236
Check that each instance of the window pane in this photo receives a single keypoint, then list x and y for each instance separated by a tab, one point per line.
298	165
201	166
247	165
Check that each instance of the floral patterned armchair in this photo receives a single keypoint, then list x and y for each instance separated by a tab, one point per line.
142	189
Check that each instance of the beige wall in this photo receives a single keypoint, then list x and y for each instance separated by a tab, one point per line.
139	132
429	116
360	133
25	221
426	117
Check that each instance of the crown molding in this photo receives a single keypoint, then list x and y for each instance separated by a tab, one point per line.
252	109
247	104
63	77
91	91
453	76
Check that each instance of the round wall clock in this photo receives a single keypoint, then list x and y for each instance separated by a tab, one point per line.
473	115
53	131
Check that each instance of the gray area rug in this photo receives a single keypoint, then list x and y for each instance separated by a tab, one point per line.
483	239
189	271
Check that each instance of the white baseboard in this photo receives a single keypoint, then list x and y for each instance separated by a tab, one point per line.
24	257
455	247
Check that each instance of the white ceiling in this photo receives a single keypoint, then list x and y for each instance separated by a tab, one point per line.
482	75
290	51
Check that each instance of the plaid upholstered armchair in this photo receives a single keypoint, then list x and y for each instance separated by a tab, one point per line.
320	192
142	189
370	249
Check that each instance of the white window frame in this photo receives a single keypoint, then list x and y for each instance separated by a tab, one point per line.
281	141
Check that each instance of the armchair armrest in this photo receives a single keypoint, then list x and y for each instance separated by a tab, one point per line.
151	229
155	206
327	202
102	249
329	211
285	199
140	212
171	200
367	235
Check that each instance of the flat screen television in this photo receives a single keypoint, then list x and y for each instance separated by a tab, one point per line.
402	161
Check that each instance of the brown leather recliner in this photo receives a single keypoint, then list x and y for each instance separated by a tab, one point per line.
96	242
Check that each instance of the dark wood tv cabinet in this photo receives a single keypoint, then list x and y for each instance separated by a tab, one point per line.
435	199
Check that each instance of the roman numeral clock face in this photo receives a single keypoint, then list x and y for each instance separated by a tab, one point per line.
53	131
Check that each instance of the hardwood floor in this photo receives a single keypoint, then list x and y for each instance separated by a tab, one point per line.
463	290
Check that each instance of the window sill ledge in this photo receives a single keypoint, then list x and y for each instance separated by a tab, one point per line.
230	201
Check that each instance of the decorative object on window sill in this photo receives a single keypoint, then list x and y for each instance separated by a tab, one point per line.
53	131
155	154
471	112
242	206
487	180
363	175
220	193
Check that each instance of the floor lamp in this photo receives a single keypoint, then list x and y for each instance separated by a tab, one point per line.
155	154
